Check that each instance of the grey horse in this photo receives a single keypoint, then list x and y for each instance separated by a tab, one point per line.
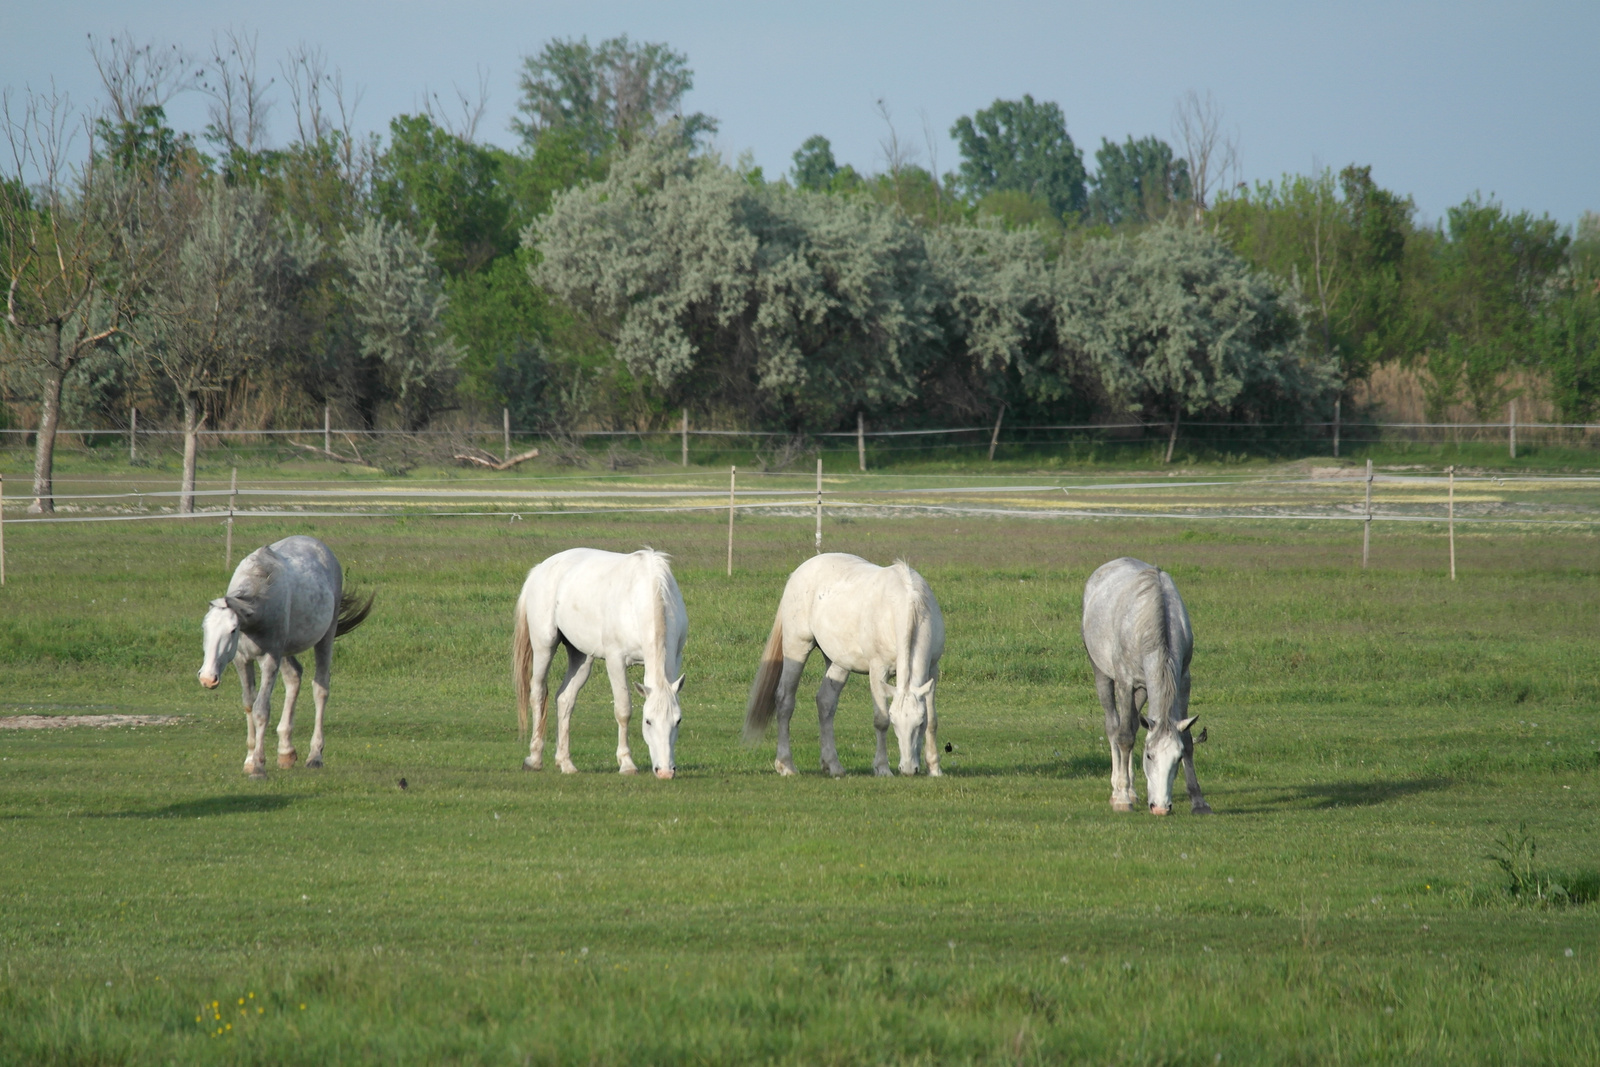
284	598
1136	631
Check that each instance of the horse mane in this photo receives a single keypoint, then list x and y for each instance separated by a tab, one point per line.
1152	626
916	590
659	564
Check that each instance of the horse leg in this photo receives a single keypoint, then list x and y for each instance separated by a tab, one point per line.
833	681
539	698
882	696
291	692
617	672
1119	735
247	691
930	739
788	682
1197	803
255	761
578	667
321	680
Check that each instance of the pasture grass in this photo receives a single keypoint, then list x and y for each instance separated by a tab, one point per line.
1373	735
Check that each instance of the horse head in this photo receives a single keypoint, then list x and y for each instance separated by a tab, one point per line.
220	641
909	714
1163	750
662	714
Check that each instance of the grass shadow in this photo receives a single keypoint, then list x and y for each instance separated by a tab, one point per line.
206	807
1324	796
1072	767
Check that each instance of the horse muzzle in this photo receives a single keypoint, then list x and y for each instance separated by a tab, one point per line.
210	682
665	773
1161	811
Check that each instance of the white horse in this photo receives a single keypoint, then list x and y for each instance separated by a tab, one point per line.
624	609
1136	631
284	598
867	620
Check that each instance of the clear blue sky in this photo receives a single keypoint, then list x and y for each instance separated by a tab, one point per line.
1441	99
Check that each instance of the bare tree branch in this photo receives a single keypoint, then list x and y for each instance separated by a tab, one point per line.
138	76
239	104
1211	154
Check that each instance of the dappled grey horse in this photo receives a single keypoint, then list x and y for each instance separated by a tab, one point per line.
1136	631
284	598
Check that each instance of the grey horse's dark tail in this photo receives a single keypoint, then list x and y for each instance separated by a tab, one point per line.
353	611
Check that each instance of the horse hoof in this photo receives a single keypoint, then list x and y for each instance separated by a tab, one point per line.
287	759
531	764
569	768
1122	805
785	769
256	773
835	771
934	771
1201	808
882	772
628	768
314	761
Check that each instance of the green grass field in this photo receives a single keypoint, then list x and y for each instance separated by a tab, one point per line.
1372	736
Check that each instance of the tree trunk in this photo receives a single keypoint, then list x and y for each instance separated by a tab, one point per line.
1172	439
44	448
191	441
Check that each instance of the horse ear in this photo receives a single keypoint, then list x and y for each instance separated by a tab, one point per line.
1184	724
245	609
221	603
677	687
644	690
922	690
1144	722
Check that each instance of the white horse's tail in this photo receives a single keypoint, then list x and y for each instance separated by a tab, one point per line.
522	665
1151	624
764	690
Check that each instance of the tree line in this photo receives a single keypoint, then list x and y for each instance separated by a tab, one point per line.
613	269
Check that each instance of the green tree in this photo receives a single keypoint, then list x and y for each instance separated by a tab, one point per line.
1024	146
1174	324
607	95
814	165
428	179
1137	182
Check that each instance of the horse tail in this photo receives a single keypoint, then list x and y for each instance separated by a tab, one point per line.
353	611
522	665
764	690
1153	627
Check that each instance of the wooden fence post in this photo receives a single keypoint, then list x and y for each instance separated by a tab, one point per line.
133	437
733	477
686	441
819	505
1513	427
2	529
1337	401
233	496
861	440
994	438
1366	526
1452	521
327	427
505	429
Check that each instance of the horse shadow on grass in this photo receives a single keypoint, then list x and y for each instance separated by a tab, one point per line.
1324	796
1067	767
207	807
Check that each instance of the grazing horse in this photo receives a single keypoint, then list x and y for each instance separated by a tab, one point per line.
1137	634
867	620
284	598
624	609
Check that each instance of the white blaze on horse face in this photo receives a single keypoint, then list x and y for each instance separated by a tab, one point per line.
662	714
220	640
1163	751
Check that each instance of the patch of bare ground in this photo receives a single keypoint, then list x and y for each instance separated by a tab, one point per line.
58	722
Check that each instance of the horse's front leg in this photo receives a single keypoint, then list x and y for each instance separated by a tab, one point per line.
788	683
833	681
1118	704
321	682
246	666
291	692
579	665
930	739
622	703
882	698
1197	803
255	761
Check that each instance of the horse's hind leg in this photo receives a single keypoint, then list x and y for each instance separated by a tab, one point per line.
291	692
578	667
320	682
878	682
539	701
788	682
622	703
833	681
